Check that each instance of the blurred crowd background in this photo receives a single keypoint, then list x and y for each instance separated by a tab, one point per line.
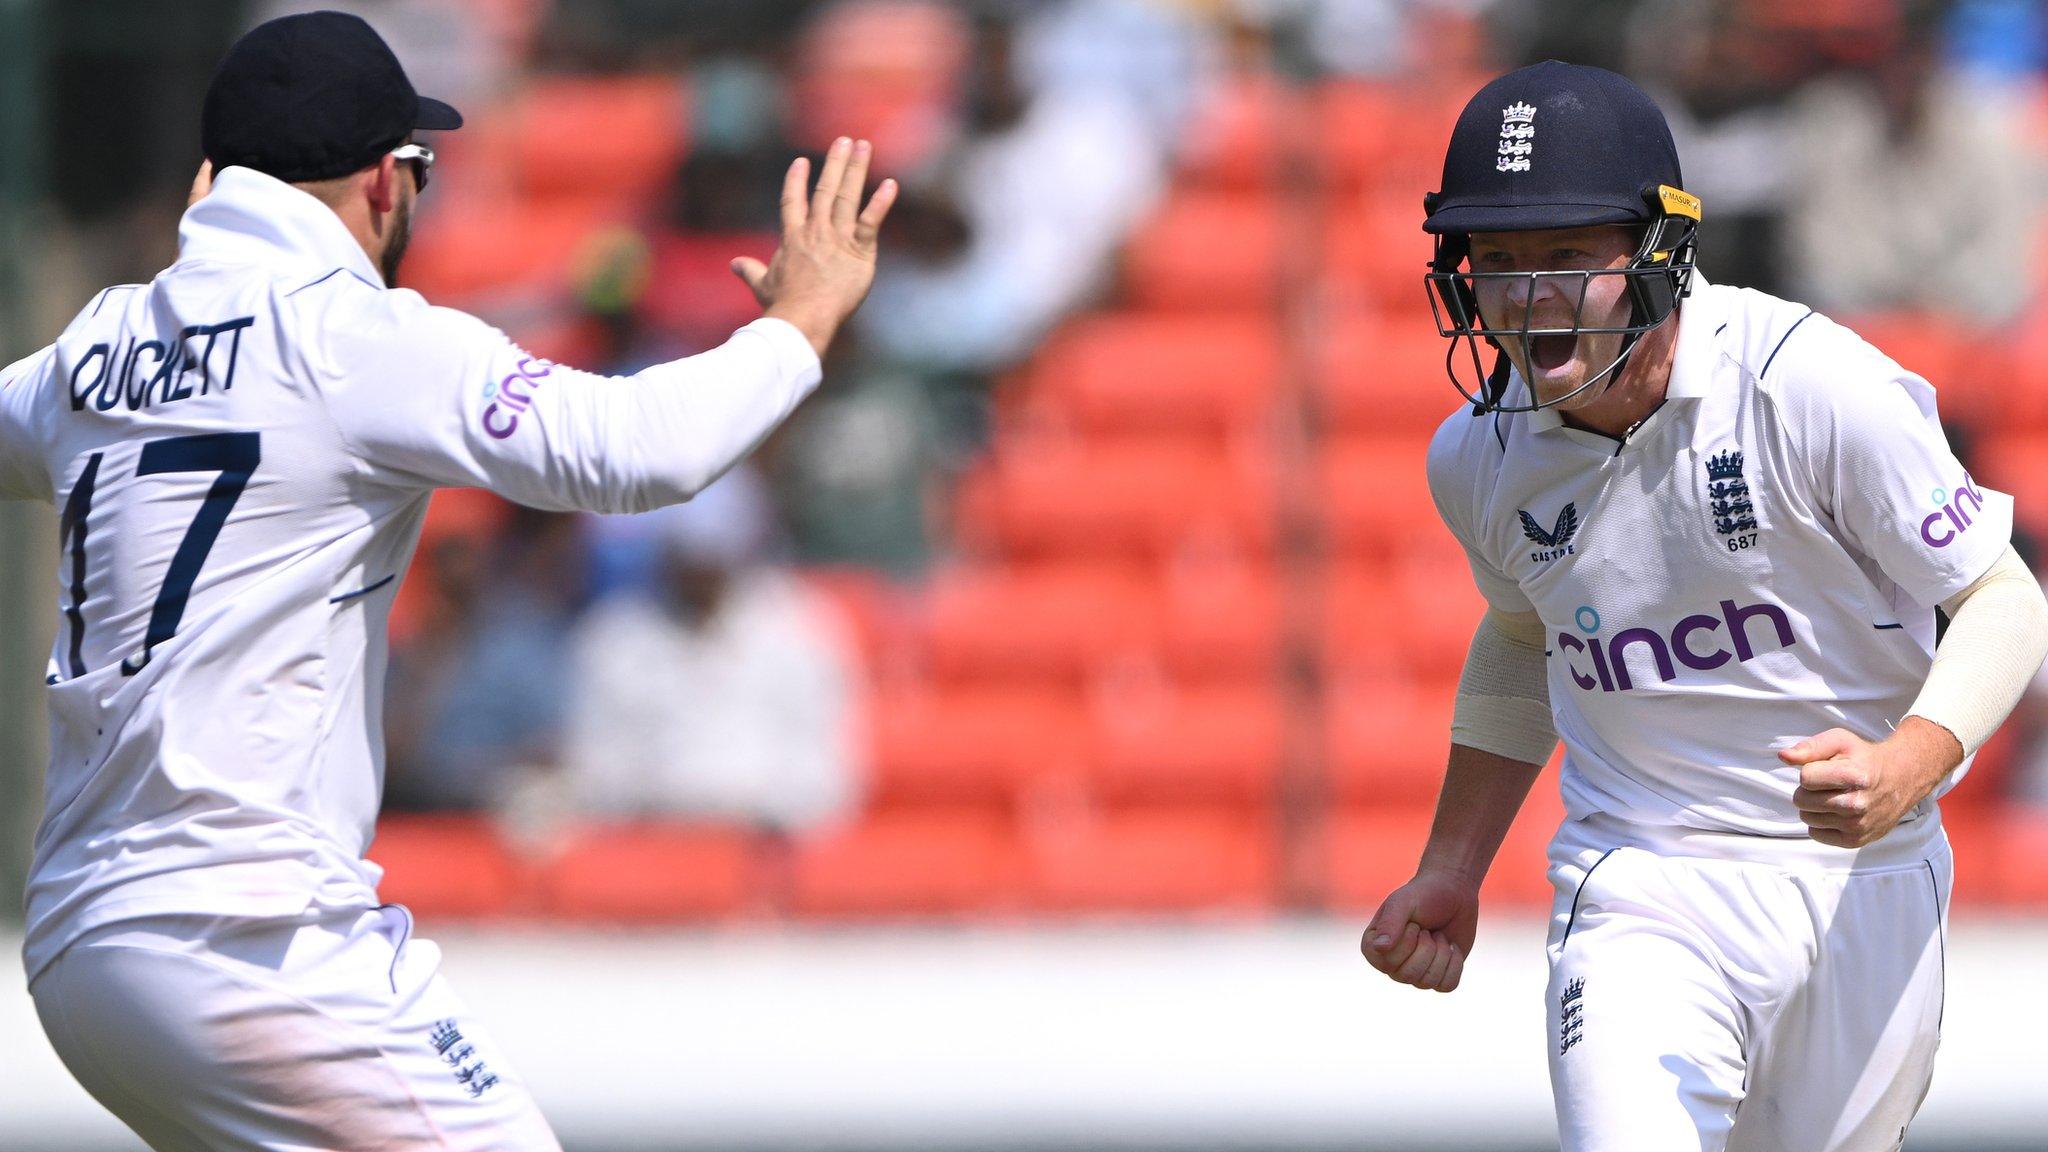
1101	577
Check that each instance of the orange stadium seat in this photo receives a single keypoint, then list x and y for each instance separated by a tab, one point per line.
1127	496
1388	135
1045	622
878	615
1221	621
2016	857
1236	141
651	873
1413	617
1972	379
1207	250
1386	375
1973	835
889	72
1134	372
909	861
1370	850
2016	462
500	247
577	341
1385	739
615	138
974	744
446	866
2013	370
691	291
1190	743
1377	243
1375	493
1157	859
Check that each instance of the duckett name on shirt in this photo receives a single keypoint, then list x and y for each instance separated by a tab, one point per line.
1938	534
511	396
149	373
1683	644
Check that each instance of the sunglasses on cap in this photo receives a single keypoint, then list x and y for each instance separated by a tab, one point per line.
422	158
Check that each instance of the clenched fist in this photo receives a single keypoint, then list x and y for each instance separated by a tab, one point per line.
1423	932
1852	792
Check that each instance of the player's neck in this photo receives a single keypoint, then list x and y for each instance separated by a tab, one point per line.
1639	391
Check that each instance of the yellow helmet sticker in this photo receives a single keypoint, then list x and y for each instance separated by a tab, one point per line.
1679	203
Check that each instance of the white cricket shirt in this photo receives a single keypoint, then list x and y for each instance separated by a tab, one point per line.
242	452
1759	560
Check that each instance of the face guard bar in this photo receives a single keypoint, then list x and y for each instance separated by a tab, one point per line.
1656	278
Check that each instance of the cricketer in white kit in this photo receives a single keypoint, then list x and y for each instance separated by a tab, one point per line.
242	452
1712	528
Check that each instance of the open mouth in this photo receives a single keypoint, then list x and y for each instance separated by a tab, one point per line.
1549	353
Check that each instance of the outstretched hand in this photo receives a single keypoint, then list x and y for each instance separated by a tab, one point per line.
826	262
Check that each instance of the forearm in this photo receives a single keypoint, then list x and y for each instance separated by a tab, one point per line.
1995	642
1482	792
683	424
1501	734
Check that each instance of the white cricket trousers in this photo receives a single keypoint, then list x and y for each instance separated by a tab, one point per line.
331	1032
1719	993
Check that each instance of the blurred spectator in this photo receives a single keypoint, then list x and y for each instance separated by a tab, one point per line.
723	692
474	697
724	204
860	468
1912	186
1591	32
1999	39
638	35
450	50
1158	58
886	70
1023	223
1723	82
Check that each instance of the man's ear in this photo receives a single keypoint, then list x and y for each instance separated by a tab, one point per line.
383	186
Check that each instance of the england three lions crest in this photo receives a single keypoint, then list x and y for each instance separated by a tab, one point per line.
1728	502
1517	138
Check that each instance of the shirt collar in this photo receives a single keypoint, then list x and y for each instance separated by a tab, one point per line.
251	218
1700	320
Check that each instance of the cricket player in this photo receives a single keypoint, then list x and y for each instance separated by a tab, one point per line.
242	451
1712	528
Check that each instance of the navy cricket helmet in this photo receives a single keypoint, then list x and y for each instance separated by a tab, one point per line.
1557	145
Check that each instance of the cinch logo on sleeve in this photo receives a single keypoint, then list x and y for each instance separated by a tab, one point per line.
512	396
1686	643
1942	527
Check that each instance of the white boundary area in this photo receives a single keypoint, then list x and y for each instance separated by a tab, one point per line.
1213	1036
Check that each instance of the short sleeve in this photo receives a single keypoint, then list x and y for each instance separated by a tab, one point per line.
1458	473
23	473
1881	465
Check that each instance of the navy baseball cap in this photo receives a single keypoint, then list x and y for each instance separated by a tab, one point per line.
1554	145
311	97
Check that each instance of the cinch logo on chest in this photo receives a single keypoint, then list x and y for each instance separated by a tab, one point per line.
1938	534
1610	658
1556	542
